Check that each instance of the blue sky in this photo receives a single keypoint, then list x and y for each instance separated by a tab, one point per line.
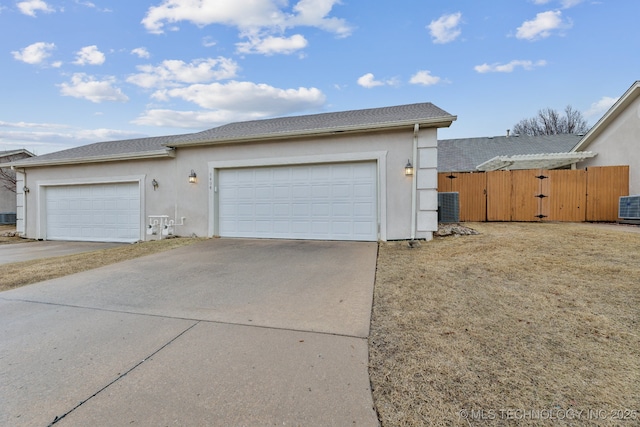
76	72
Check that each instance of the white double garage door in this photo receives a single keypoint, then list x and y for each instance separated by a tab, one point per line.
321	202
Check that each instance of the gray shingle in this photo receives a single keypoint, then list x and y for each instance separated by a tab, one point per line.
318	122
106	149
463	155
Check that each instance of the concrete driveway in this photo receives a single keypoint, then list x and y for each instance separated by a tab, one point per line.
17	252
223	332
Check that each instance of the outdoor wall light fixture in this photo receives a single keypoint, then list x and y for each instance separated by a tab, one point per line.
155	184
192	177
408	169
25	189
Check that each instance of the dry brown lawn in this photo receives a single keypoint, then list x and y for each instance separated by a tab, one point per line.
9	239
521	325
27	272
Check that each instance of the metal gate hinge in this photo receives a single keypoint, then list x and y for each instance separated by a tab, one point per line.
542	177
541	196
541	216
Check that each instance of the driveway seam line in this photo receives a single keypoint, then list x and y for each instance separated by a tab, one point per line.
185	318
58	418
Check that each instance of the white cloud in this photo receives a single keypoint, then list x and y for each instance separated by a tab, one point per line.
31	125
246	15
272	45
92	6
87	87
35	53
509	67
369	81
566	4
193	119
242	96
424	78
30	7
176	72
141	52
542	26
313	13
89	55
42	138
600	107
445	29
231	102
208	41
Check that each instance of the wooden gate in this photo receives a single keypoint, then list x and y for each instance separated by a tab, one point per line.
605	185
472	193
539	195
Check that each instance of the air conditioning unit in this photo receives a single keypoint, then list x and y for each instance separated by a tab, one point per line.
7	218
448	207
629	207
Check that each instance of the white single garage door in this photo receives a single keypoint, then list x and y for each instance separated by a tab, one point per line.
321	202
95	212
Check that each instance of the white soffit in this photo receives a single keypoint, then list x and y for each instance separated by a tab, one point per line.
534	161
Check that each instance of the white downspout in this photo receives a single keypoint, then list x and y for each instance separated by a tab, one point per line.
24	201
414	181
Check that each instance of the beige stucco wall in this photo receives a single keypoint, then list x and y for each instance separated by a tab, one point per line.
177	198
619	144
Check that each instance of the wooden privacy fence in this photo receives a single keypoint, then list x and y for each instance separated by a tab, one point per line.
538	194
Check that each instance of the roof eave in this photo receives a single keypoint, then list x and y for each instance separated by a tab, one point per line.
165	152
444	121
620	105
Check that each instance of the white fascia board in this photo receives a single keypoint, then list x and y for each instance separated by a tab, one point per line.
620	105
439	122
96	159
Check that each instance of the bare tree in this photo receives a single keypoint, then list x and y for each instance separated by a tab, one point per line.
7	176
550	122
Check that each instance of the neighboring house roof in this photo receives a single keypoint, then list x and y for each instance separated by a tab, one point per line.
466	154
13	153
325	123
104	151
256	130
621	104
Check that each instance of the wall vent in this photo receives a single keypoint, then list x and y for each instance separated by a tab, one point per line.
448	207
629	207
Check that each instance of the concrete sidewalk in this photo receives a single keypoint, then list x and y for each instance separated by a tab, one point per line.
224	332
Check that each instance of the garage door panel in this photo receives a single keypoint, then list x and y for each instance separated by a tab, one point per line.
245	193
281	209
245	209
96	212
342	209
302	202
263	209
321	191
363	190
320	173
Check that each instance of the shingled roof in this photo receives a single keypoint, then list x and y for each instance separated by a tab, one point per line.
463	155
104	151
324	123
281	128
